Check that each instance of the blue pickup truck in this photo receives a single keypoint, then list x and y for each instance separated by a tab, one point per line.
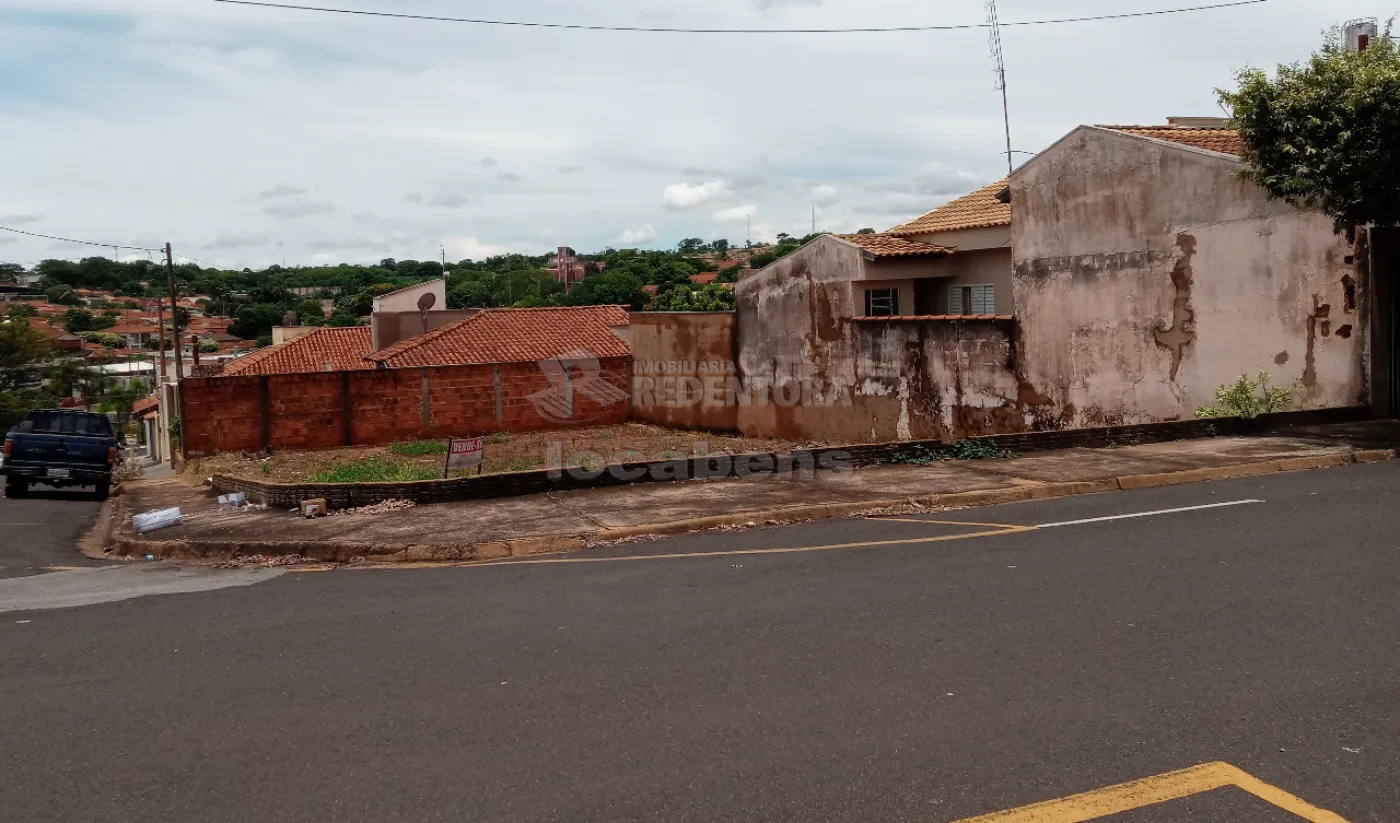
60	447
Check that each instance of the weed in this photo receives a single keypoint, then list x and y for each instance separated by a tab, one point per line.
510	464
498	438
419	448
962	450
1247	398
266	469
374	470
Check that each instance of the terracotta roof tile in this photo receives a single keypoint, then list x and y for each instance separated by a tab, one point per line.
149	404
321	350
513	335
704	278
978	210
1225	141
887	245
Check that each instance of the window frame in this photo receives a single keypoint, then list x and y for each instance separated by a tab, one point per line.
892	298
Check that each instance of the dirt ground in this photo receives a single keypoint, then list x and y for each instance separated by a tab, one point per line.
629	442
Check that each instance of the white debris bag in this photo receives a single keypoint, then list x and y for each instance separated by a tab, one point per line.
161	519
233	501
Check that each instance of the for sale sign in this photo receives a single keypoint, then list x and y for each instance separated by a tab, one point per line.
465	453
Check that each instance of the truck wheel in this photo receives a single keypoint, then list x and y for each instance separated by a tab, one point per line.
103	490
16	489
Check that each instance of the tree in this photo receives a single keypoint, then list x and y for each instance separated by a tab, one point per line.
721	248
690	245
310	313
713	297
11	272
123	398
69	376
22	349
362	304
1321	134
78	320
264	340
340	318
866	231
208	347
63	295
609	289
21	311
256	321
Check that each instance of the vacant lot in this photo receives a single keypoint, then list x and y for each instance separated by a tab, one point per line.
425	459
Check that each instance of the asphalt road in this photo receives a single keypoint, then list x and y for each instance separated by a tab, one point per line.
928	681
41	531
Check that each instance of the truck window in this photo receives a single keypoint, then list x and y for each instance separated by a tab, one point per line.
81	425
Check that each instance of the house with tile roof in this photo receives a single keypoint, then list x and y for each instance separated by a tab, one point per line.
322	350
1147	274
1132	273
514	336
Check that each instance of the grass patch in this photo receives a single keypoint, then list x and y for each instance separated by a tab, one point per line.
510	464
498	438
419	448
374	470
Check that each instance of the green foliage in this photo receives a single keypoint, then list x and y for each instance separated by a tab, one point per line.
255	321
866	231
110	341
340	318
263	341
123	398
610	289
22	352
498	438
63	295
208	347
78	320
419	448
786	245
69	376
310	313
962	450
713	297
1247	398
374	470
1323	133
21	311
16	403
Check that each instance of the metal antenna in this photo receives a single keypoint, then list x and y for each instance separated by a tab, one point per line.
994	27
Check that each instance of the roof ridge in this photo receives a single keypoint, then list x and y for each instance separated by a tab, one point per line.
412	343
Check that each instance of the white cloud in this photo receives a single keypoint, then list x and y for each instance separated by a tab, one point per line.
413	197
336	107
238	240
449	201
299	208
470	248
282	190
736	214
825	195
683	196
644	236
510	177
8	241
488	161
20	219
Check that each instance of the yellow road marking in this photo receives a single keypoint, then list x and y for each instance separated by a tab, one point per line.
993	529
948	523
750	552
1152	791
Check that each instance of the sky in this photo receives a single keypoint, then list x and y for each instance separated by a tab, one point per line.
251	136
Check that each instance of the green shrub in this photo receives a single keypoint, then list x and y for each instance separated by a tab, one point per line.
374	470
419	448
1247	398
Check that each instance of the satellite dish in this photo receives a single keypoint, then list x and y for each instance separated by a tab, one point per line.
427	301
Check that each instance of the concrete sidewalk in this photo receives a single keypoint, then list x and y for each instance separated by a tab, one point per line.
482	530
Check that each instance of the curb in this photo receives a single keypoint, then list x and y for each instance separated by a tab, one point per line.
124	543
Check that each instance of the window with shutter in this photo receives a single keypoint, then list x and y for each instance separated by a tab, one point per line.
968	300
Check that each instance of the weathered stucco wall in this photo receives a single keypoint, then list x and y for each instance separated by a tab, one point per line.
683	370
811	373
1146	275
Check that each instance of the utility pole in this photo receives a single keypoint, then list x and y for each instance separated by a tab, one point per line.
994	24
160	327
174	314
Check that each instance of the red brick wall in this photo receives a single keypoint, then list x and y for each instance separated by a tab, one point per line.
307	411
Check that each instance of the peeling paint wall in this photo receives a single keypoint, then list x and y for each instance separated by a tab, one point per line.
673	354
812	373
1147	275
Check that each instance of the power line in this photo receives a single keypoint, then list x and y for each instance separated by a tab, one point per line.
79	242
660	30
